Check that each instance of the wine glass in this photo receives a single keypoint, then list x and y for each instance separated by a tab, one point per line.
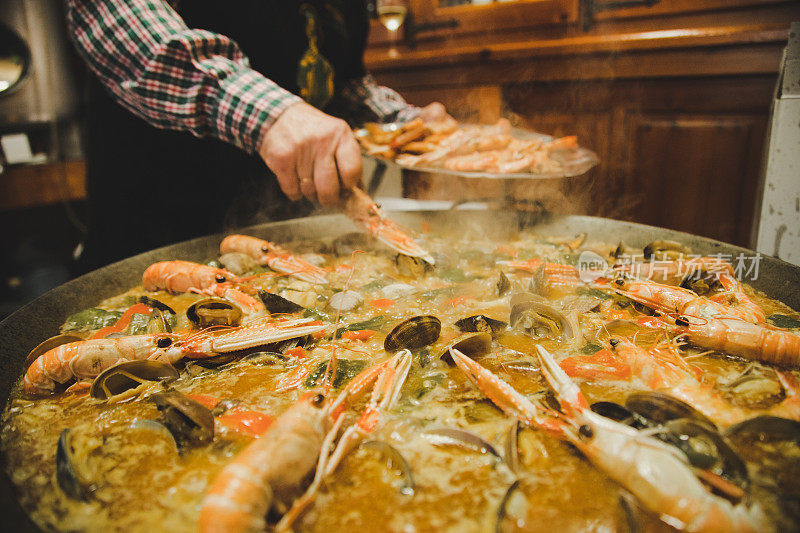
392	14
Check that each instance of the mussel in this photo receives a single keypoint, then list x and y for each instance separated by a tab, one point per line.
278	304
481	323
540	319
766	428
706	449
190	422
157	429
394	460
413	334
618	413
156	304
214	312
473	345
664	250
661	408
412	267
122	380
461	439
73	474
47	345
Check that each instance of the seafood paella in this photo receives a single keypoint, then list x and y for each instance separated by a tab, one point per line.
390	382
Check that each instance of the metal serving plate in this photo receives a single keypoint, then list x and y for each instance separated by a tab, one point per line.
40	319
573	162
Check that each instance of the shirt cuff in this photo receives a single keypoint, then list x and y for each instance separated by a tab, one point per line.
248	106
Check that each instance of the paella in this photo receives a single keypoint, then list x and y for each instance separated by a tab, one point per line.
383	382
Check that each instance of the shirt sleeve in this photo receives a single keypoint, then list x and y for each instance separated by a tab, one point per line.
366	101
172	76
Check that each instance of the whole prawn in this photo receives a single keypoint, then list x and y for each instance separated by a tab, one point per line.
363	210
185	276
86	359
272	469
273	256
677	300
652	471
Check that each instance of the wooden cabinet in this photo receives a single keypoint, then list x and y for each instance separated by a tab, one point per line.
676	105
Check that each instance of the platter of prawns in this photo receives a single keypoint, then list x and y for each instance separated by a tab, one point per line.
475	151
387	379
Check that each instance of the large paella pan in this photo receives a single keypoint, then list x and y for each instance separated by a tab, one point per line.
506	383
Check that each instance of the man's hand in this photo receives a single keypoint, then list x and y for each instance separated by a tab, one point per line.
312	154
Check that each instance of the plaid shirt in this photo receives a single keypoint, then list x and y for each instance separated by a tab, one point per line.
179	78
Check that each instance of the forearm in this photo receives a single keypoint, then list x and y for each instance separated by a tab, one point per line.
172	76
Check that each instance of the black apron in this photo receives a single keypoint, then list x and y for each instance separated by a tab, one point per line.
149	187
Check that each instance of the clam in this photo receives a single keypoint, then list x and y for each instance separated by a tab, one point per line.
664	250
214	312
191	423
345	301
158	322
395	291
413	334
412	267
123	380
540	319
661	408
238	263
757	387
73	474
481	323
278	304
473	345
47	345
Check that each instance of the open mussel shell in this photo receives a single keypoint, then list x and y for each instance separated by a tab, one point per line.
481	323
129	375
413	334
47	345
71	471
190	422
473	345
156	304
156	428
412	267
661	408
617	413
460	438
766	428
276	304
664	250
394	459
214	312
707	449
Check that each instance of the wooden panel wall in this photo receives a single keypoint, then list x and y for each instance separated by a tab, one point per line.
679	153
